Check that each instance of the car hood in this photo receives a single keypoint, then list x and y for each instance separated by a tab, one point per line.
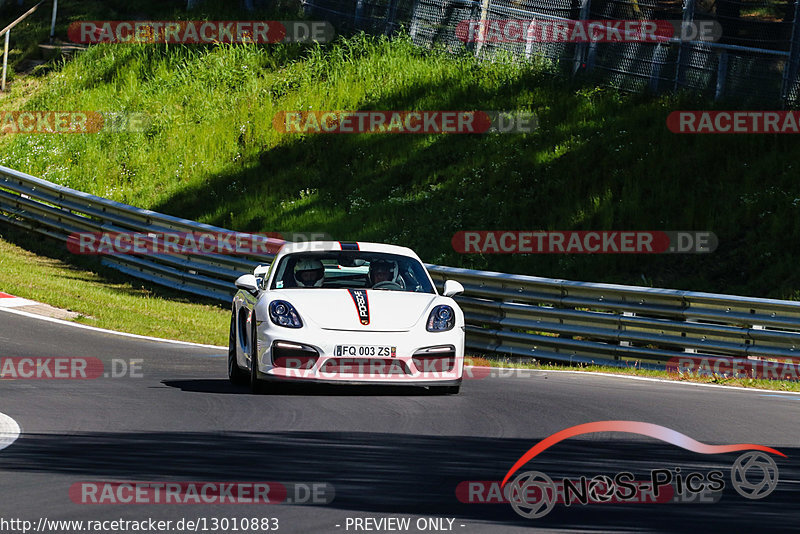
336	309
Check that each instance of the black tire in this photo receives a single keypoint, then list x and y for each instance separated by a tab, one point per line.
235	373
256	385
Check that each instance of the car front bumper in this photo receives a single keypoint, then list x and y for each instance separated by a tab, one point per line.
420	358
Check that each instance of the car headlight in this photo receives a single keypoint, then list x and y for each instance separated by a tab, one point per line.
441	319
283	314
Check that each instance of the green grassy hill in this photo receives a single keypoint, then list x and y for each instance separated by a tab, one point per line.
600	160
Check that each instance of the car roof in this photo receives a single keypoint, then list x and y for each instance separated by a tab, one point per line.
323	246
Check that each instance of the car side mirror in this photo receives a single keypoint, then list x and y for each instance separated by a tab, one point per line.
248	282
452	288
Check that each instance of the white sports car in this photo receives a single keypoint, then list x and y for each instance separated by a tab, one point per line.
329	311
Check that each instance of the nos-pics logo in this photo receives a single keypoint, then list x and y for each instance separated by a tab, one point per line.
533	494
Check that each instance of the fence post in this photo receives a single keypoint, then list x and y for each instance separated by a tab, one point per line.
5	61
53	21
357	15
590	56
580	48
413	22
528	40
482	33
680	70
791	66
722	74
659	56
390	14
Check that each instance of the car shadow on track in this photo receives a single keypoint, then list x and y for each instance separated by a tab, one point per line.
416	474
223	386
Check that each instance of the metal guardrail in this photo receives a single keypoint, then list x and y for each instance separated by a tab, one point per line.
57	211
522	316
579	322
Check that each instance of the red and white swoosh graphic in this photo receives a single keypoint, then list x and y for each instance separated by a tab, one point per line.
634	427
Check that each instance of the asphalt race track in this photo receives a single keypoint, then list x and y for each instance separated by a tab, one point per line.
385	453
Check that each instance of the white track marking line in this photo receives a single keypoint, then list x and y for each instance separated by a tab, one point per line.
9	431
13	302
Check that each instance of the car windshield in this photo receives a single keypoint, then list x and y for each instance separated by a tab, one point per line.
351	270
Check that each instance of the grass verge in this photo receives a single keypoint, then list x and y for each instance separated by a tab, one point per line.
109	300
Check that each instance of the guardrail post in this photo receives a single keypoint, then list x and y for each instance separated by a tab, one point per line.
790	68
722	74
688	350
680	70
580	48
621	328
5	61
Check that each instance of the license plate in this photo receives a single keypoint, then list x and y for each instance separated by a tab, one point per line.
377	351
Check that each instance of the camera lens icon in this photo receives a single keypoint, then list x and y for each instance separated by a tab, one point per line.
532	494
754	475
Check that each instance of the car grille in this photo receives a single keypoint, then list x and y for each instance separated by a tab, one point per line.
293	356
435	359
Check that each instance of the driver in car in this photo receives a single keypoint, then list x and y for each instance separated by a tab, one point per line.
309	273
384	271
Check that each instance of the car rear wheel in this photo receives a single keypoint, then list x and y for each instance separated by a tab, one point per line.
235	373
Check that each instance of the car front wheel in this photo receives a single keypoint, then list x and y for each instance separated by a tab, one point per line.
235	373
255	384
